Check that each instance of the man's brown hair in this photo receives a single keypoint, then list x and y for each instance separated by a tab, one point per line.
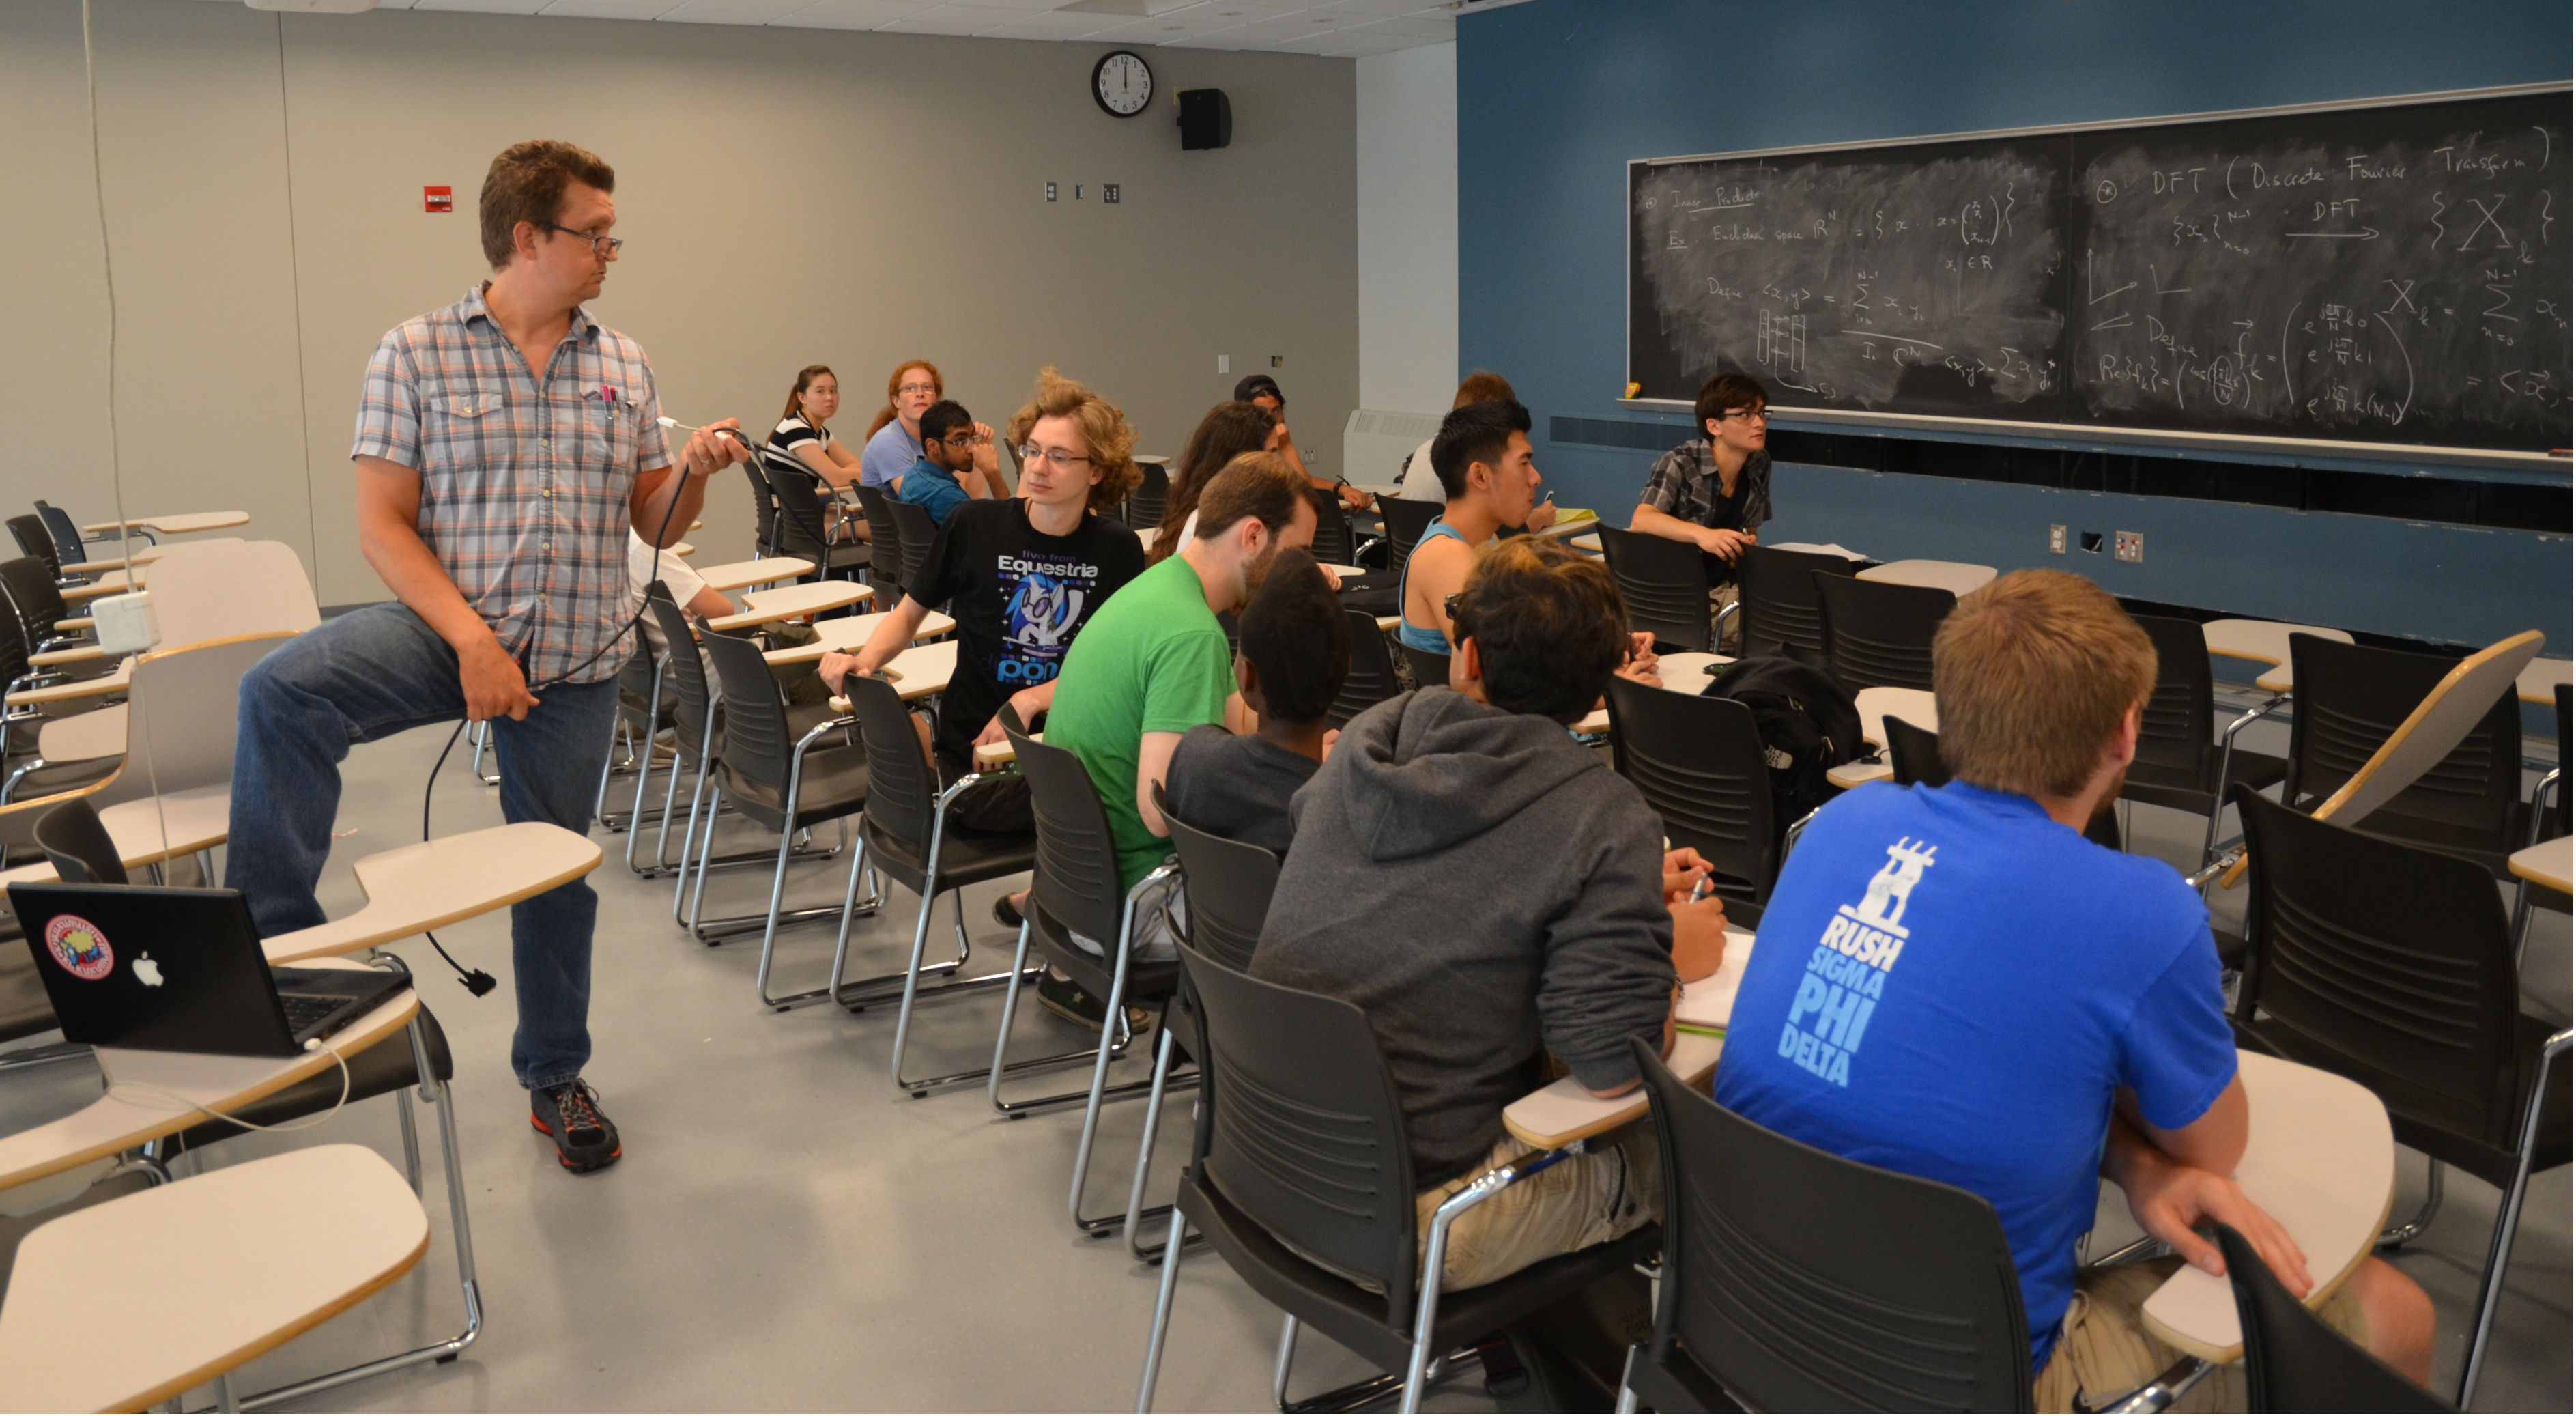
526	183
1484	386
1261	485
1726	393
2032	675
1549	626
1105	434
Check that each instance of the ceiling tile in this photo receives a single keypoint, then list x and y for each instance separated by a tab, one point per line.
722	12
488	7
607	9
954	19
1410	31
1063	24
852	14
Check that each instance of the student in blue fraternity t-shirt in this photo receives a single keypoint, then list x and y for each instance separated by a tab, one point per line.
948	443
1954	983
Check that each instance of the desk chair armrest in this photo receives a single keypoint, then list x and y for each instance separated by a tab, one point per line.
2225	862
2169	1387
1426	1311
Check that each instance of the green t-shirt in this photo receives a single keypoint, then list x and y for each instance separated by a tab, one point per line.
1152	660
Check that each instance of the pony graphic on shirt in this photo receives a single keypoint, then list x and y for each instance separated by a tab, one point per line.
1043	612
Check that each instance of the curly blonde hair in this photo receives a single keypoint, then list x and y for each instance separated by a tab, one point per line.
1110	442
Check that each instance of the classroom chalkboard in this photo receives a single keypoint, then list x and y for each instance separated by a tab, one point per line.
2389	277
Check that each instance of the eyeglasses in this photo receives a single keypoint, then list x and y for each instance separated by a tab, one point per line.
965	438
916	388
1750	415
602	246
1054	457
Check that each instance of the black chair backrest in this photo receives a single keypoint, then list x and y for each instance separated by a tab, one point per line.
1230	884
33	539
1664	584
34	597
2388	963
1914	754
758	745
764	508
1878	635
1371	680
78	845
885	553
1301	1127
68	548
1802	1281
913	533
690	689
799	528
1333	544
1429	670
2293	1361
2558	814
1699	762
1405	523
1776	595
1143	508
2352	697
2175	729
903	789
1076	885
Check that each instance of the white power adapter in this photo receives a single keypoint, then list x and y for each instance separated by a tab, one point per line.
125	623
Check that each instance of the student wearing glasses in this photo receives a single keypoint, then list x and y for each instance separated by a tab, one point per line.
509	451
894	439
952	442
1715	491
1021	575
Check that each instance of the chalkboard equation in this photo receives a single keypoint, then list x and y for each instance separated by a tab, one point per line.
2396	274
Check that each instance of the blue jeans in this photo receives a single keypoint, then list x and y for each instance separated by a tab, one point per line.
378	671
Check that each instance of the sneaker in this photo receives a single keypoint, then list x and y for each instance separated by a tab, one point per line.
585	1139
1072	1002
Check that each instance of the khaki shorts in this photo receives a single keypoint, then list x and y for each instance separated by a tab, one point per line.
2105	1352
1609	1190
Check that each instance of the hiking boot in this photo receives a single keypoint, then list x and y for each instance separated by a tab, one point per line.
585	1139
1073	1003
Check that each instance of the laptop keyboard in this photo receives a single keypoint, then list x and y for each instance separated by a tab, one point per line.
304	1011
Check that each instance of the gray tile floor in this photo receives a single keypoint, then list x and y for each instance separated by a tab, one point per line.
789	1232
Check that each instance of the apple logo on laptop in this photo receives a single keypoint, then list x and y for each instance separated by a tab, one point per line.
147	972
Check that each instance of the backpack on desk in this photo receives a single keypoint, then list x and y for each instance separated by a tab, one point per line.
1807	722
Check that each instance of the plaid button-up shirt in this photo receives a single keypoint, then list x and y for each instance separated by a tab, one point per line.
525	483
1684	485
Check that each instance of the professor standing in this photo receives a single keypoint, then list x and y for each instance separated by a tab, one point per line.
505	445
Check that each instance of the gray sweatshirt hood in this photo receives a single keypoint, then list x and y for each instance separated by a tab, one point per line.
1427	771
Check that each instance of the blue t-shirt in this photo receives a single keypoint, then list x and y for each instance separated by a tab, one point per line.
888	455
1952	985
933	488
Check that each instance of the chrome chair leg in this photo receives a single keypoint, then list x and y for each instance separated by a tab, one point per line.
2414	1228
1163	1319
410	1137
1014	1110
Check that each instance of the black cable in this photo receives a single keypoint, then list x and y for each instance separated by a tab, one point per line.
476	981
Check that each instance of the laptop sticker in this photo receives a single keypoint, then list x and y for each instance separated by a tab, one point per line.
79	947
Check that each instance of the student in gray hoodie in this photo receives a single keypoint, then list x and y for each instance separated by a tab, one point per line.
1487	890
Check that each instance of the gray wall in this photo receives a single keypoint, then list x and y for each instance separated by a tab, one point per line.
788	196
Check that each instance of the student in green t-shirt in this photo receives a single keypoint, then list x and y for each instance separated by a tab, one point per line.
1153	663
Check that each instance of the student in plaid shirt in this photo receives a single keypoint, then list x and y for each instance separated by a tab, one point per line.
1715	493
506	447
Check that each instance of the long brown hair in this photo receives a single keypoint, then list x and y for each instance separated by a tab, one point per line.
804	380
885	415
1228	431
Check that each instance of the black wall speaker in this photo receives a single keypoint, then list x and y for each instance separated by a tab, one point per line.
1207	120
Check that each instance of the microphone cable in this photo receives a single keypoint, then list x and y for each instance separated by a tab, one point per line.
476	981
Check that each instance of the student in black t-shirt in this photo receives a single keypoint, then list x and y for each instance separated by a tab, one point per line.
1295	651
1020	576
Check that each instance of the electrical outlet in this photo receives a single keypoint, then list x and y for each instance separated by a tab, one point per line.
2092	543
1109	193
2130	546
2057	540
1050	191
1225	363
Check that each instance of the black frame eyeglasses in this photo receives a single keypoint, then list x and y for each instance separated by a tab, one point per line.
601	246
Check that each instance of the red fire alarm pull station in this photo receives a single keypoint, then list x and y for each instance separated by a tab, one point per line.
438	199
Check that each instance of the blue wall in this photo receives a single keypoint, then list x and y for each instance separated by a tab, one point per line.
1555	96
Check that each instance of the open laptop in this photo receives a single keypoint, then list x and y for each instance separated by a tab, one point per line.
170	970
